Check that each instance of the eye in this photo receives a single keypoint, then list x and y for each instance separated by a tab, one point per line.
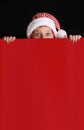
48	34
36	34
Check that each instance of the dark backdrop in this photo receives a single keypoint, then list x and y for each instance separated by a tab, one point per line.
16	14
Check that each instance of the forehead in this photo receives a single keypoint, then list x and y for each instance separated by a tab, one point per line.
43	28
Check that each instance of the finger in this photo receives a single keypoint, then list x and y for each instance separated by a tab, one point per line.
74	38
70	37
10	39
4	38
79	36
7	39
13	38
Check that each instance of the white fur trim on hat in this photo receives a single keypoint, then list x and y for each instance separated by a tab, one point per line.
41	22
61	34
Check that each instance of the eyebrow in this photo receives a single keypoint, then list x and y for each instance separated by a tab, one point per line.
36	30
46	30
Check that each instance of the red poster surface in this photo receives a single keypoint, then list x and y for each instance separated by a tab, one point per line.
42	85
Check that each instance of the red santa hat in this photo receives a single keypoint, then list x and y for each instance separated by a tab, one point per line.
45	19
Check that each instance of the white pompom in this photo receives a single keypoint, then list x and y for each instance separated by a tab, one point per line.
61	34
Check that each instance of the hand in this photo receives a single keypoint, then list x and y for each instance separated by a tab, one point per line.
74	38
9	39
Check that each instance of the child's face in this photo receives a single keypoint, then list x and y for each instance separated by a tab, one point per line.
42	32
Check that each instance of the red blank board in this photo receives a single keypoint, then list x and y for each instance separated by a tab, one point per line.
42	85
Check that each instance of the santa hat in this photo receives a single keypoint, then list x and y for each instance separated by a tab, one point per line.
46	19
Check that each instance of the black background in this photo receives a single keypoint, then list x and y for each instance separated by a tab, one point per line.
16	14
